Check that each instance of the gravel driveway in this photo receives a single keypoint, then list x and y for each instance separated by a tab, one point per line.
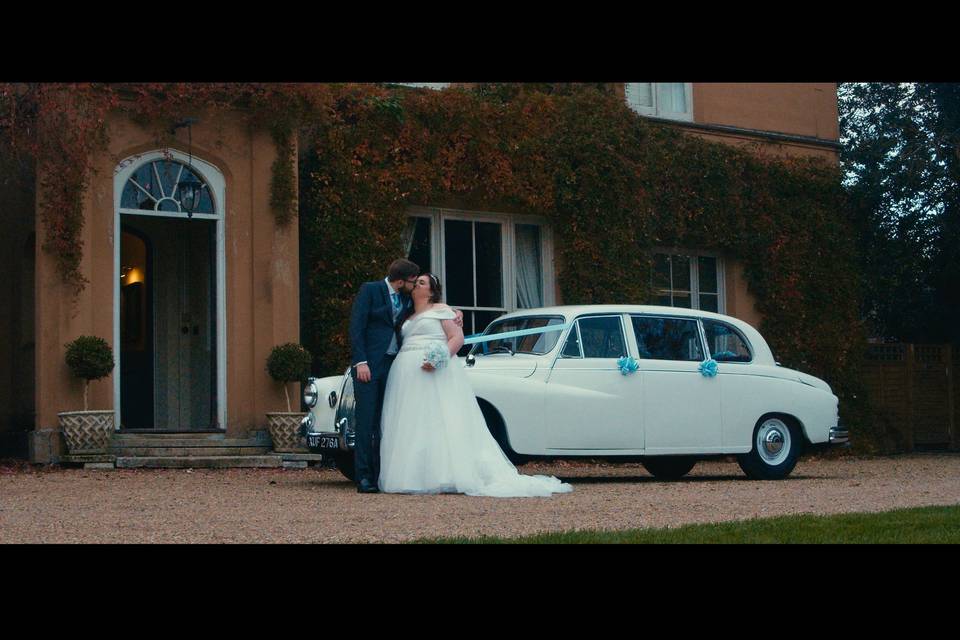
319	505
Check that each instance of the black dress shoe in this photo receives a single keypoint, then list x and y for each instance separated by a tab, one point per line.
365	486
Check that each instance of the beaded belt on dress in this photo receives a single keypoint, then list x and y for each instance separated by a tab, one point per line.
418	343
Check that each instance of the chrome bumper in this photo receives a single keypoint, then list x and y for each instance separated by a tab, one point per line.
839	435
345	441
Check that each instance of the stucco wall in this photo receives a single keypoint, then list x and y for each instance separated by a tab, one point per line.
262	296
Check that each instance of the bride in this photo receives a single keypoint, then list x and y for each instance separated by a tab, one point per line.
435	438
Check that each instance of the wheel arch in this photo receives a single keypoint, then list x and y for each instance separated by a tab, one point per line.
496	424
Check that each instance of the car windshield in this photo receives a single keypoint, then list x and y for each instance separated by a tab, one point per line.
538	343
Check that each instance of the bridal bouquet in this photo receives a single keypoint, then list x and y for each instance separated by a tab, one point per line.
437	354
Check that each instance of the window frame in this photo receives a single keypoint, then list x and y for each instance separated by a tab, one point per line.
695	277
508	248
654	110
168	156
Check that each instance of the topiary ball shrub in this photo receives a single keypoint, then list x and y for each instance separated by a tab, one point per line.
289	363
90	358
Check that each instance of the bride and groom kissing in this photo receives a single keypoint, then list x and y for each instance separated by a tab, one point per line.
418	426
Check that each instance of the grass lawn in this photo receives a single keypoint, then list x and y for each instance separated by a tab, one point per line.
939	525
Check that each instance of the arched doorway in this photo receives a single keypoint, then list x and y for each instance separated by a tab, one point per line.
169	296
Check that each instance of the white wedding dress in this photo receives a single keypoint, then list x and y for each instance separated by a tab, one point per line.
435	438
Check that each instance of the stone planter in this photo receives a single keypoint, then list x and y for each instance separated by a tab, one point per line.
284	429
87	431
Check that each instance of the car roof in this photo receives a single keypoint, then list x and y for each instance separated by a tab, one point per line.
761	351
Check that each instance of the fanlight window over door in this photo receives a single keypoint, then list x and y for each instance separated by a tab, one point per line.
153	187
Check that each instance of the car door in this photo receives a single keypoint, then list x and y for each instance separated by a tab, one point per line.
588	403
682	410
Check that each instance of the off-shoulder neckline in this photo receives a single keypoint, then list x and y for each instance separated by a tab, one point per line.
417	316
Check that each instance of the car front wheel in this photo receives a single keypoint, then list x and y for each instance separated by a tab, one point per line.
776	447
668	467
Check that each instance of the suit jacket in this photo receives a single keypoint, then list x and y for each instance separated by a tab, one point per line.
372	326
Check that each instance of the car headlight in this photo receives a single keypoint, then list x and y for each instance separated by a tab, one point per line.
311	393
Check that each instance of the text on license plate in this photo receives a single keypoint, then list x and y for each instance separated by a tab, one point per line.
323	442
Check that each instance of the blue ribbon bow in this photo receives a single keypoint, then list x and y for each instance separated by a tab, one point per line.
627	365
708	368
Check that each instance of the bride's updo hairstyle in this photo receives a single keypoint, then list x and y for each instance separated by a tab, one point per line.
436	291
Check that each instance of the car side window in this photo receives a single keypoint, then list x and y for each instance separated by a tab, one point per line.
667	338
602	337
572	347
726	343
537	344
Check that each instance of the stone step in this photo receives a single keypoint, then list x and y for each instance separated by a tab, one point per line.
187	452
127	443
198	462
192	435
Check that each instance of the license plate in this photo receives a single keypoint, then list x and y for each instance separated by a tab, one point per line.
323	442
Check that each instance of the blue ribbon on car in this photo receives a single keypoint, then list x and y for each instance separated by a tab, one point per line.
514	334
627	365
708	368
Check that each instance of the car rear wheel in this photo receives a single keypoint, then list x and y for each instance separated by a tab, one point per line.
776	447
344	462
669	467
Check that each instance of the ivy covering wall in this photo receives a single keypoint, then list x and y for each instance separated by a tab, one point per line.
612	185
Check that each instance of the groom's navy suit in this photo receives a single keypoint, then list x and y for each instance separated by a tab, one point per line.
374	324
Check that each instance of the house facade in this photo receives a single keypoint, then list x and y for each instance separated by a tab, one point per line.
769	119
193	302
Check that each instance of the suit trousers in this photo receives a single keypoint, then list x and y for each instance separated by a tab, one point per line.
369	407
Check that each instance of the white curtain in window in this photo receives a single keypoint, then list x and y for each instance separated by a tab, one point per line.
640	94
408	234
672	96
529	278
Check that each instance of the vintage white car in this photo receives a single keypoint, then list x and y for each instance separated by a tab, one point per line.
664	385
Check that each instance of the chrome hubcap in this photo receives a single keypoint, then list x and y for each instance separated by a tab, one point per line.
773	441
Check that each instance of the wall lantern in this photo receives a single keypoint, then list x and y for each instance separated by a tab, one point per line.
189	188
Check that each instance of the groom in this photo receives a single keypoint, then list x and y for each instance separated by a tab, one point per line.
373	343
378	311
